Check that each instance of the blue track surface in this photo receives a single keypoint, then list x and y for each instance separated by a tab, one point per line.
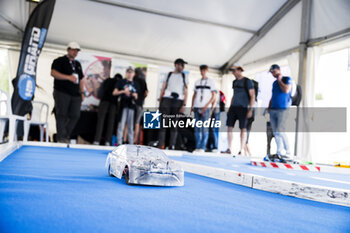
341	181
68	190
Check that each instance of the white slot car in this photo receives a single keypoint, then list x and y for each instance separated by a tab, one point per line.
144	165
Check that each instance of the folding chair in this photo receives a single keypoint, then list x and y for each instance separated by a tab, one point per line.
39	116
7	116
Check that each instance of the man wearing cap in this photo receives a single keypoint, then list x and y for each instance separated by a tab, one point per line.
241	106
127	89
202	99
280	101
68	91
173	97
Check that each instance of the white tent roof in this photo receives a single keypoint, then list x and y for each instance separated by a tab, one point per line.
327	17
200	31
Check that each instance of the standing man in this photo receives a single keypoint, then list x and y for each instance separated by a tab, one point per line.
127	89
68	91
218	106
280	102
108	105
202	99
241	106
140	78
173	97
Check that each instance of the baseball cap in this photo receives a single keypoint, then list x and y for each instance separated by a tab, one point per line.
236	67
130	68
180	61
274	66
73	45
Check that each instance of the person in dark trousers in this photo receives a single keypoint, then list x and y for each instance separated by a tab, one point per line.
108	104
68	91
127	89
140	78
173	97
269	134
241	107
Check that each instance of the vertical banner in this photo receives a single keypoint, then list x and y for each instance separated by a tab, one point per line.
33	41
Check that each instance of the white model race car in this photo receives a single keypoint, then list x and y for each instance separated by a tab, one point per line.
144	165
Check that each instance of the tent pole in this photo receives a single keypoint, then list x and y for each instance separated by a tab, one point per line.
304	38
260	34
10	22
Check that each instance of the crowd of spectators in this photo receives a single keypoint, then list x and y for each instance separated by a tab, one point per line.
122	99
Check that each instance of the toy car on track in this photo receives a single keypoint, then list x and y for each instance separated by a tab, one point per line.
144	165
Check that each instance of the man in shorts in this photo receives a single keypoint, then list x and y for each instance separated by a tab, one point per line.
241	107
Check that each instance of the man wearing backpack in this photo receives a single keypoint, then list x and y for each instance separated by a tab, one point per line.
173	97
241	107
280	102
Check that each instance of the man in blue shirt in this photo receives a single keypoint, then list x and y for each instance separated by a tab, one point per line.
280	102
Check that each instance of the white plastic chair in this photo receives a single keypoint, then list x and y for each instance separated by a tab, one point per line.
6	115
39	115
3	114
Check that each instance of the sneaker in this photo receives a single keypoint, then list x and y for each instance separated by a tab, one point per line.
73	141
96	143
215	151
155	144
267	158
280	159
288	158
274	158
107	144
199	151
228	151
171	147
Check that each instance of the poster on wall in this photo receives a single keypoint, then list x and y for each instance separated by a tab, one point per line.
119	66
96	69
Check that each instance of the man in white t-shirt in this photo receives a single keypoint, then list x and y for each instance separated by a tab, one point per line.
202	99
173	97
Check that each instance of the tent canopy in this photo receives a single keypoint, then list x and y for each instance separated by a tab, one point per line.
200	31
